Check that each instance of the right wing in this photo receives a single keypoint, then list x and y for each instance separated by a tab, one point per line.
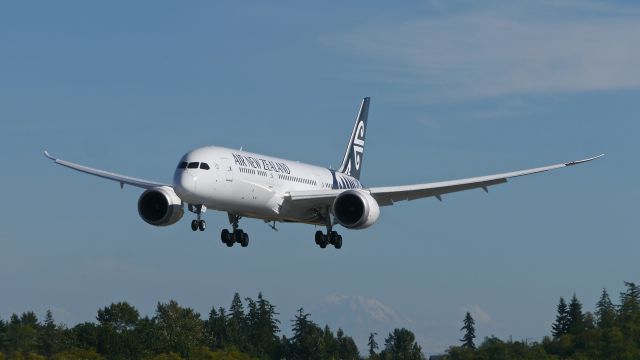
122	179
391	194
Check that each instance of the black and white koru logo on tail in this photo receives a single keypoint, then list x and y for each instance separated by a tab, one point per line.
352	161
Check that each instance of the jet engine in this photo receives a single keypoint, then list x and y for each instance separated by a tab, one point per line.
355	209
160	206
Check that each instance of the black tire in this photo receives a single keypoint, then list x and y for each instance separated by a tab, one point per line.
229	243
338	242
194	225
323	244
237	235
319	237
244	242
202	225
225	236
332	237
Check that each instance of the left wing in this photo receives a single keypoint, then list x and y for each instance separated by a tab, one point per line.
122	179
389	195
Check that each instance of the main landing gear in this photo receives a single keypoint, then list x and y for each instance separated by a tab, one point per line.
331	237
236	235
198	224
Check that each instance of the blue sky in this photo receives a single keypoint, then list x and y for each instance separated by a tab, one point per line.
458	89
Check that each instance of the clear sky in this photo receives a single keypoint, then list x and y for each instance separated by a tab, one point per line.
458	89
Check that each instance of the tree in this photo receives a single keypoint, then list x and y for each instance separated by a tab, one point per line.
575	317
469	332
49	336
307	341
605	311
179	329
117	322
629	318
119	316
347	349
372	345
561	326
236	323
401	344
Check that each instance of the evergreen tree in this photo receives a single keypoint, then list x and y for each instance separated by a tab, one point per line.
561	326
469	332
307	341
605	311
372	345
49	336
629	318
215	328
575	317
267	327
236	323
346	347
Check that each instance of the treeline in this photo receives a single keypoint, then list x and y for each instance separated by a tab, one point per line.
246	330
612	331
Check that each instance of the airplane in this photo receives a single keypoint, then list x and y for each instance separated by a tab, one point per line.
249	185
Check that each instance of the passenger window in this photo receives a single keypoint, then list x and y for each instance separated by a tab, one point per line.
193	165
183	165
204	166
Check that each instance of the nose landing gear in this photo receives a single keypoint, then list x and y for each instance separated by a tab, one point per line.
198	224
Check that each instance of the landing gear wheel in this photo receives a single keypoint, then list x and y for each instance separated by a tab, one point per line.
319	237
201	225
194	225
323	244
237	235
244	241
333	235
225	236
337	243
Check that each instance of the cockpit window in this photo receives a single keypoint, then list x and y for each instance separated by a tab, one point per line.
183	165
193	165
204	166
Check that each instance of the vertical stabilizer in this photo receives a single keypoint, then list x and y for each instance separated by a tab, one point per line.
352	161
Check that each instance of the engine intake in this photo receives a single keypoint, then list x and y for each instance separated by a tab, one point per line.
160	206
355	209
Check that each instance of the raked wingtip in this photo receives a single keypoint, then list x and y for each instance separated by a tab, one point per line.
584	160
46	153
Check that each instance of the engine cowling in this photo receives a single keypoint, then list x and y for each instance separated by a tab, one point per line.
160	206
355	209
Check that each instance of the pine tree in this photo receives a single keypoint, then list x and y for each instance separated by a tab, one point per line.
469	332
373	345
605	311
236	323
561	326
575	317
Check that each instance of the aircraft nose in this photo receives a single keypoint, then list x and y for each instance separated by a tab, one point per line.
186	184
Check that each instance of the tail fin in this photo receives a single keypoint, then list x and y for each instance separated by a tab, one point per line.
352	162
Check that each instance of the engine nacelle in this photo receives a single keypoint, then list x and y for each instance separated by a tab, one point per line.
160	206
355	209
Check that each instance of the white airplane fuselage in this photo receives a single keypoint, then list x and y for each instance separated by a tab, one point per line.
252	185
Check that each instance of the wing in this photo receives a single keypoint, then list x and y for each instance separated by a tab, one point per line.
389	195
122	179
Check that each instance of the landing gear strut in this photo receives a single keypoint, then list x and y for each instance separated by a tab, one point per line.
331	237
198	224
236	235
